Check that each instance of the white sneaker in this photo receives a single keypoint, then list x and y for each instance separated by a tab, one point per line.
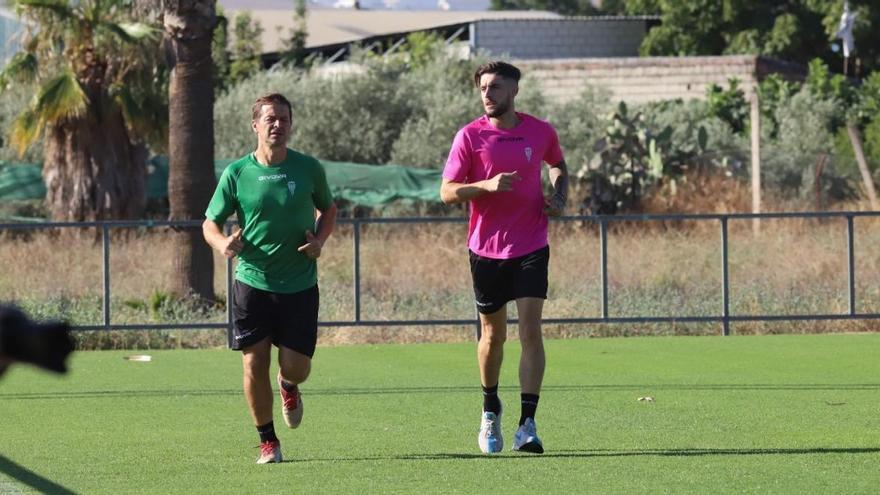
526	438
490	439
270	452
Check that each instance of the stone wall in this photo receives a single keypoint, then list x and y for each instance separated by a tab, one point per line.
571	37
642	79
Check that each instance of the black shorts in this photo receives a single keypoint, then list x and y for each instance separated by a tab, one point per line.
291	320
498	281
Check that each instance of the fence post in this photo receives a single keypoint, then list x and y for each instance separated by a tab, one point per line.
603	255
356	228
725	281
229	301
105	248
851	264
755	125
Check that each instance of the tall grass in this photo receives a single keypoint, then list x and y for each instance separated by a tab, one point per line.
420	271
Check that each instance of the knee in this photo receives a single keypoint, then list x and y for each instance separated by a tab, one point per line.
256	365
493	337
530	336
295	373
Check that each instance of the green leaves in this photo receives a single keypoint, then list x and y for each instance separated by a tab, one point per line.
22	69
130	32
61	98
25	130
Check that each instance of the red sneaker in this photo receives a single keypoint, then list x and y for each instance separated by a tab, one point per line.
291	405
269	452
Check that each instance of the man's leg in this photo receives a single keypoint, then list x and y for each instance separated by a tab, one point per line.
532	361
531	372
490	353
257	385
258	392
294	369
490	349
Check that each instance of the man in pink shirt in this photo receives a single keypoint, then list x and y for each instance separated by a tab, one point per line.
495	163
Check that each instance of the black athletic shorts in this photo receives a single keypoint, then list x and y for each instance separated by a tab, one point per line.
498	281
291	320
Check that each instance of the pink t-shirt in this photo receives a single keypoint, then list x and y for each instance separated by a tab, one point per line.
506	224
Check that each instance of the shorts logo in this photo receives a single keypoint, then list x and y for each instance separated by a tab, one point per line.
528	154
291	186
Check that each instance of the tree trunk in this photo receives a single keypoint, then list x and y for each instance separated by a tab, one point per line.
191	180
92	171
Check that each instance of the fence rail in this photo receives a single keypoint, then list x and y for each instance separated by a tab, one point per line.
724	316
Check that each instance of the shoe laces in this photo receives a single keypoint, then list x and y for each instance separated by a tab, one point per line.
490	427
268	448
291	399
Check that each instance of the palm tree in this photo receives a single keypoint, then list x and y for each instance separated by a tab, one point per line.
189	28
94	105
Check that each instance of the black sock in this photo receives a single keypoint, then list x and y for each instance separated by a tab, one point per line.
529	405
288	386
490	400
267	432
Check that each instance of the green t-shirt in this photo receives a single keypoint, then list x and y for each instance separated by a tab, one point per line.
275	206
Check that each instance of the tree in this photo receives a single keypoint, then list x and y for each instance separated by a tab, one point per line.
795	30
295	46
220	52
189	27
94	105
246	49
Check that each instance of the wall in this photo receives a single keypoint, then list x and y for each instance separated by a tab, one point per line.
642	79
559	38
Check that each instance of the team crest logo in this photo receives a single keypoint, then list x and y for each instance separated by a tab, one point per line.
528	154
291	186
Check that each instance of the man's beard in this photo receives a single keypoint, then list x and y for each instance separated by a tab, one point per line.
499	110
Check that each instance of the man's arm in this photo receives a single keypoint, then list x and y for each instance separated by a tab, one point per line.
228	246
325	222
559	180
456	192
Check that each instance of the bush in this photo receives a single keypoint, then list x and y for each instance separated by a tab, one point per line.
444	99
805	135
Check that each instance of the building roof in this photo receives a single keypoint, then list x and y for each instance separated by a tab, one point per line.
328	26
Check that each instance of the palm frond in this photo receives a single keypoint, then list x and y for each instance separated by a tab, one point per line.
129	32
59	7
25	131
22	69
143	117
61	97
131	110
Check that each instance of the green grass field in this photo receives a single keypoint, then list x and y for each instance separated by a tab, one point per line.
769	414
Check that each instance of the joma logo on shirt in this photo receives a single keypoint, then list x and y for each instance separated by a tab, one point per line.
272	177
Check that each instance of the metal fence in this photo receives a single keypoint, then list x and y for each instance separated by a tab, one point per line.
724	316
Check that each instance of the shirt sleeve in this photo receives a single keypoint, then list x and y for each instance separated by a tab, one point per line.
223	203
553	155
458	165
321	196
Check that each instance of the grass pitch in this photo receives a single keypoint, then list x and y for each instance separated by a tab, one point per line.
770	414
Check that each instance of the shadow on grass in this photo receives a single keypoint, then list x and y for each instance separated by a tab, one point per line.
29	479
600	453
112	394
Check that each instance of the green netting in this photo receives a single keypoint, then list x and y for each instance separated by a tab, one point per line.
20	181
366	185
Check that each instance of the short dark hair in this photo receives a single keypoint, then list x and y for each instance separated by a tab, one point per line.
270	99
497	67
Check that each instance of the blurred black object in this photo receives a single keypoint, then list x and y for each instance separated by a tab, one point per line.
45	344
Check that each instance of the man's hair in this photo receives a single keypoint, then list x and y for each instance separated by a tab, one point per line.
497	67
270	99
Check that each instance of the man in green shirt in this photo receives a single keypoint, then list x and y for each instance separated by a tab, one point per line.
286	213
